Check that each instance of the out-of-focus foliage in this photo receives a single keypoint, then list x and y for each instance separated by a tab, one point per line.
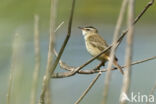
96	10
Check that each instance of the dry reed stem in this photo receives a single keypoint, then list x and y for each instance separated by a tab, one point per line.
112	54
53	67
37	60
46	78
128	55
12	69
48	91
48	95
88	89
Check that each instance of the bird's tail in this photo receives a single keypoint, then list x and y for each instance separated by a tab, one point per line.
118	66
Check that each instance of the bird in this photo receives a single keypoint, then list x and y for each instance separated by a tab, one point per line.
95	44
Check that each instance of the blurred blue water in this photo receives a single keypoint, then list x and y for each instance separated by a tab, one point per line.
68	90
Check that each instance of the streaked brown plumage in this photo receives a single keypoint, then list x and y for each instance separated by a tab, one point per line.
95	44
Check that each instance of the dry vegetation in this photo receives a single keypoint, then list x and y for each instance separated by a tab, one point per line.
52	63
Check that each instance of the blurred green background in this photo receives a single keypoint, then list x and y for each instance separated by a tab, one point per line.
17	16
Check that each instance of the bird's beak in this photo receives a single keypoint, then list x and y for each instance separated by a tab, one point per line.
81	28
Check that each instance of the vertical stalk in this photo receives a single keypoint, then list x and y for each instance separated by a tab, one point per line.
37	60
113	49
128	55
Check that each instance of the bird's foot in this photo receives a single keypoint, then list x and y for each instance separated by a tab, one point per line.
99	66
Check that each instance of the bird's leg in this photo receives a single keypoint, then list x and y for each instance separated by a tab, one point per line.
103	63
98	67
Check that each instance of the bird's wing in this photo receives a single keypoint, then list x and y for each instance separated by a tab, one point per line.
98	41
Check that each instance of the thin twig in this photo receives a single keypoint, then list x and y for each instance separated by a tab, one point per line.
91	71
112	54
59	26
138	17
37	60
53	67
128	55
144	10
71	68
88	89
46	78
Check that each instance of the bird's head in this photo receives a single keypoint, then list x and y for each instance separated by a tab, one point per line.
88	30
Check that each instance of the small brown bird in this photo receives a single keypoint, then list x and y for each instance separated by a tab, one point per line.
95	44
